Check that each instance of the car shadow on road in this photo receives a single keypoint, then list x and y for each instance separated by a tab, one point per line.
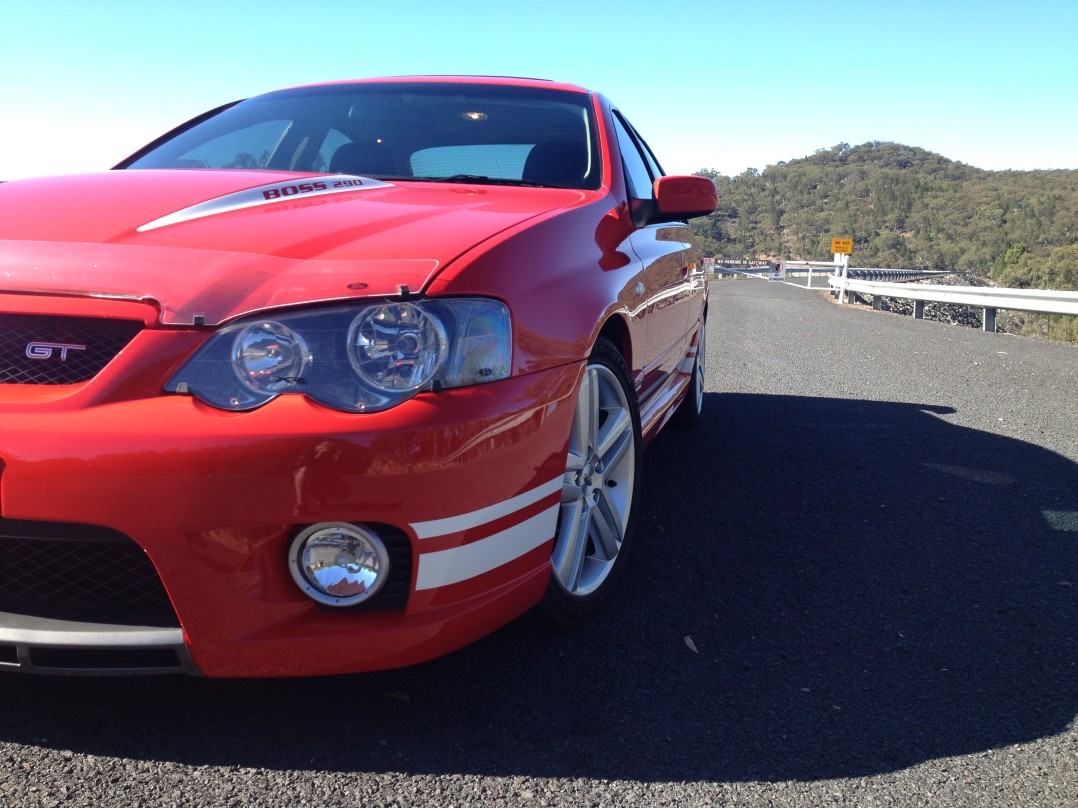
820	588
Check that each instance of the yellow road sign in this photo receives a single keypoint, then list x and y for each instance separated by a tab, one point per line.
842	246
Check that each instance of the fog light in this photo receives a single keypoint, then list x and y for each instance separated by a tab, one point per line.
338	564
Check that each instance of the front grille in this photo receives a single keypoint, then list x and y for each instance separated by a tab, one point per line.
44	349
79	572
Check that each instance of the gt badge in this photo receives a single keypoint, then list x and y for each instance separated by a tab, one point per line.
46	350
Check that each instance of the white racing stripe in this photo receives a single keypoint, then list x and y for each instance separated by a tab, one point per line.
445	567
467	521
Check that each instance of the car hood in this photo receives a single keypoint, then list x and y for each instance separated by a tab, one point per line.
207	246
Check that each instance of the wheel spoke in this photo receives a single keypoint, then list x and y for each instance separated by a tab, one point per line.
618	425
579	436
590	401
570	490
572	543
618	451
608	527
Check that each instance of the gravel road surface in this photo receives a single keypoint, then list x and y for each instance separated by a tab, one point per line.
855	584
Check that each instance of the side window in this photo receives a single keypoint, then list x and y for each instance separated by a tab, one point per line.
653	164
636	169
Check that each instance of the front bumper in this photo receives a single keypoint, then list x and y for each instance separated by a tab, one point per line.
44	645
468	480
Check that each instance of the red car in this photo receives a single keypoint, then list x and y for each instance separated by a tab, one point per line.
337	378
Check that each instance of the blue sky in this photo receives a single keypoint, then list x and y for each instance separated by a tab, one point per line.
715	84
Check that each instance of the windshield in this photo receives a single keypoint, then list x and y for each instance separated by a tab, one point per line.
400	130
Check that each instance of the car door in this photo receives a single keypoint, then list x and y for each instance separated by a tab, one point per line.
673	292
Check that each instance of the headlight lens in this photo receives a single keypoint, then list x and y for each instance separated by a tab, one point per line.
397	346
355	358
269	357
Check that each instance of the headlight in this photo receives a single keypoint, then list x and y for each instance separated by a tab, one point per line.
355	358
268	356
397	346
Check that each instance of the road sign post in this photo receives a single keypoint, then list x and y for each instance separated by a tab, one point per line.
842	271
842	249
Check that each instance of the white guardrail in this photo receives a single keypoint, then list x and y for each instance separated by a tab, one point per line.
846	282
988	298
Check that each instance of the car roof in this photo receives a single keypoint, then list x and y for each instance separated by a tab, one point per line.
507	81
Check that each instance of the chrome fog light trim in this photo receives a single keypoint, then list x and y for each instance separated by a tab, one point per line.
338	564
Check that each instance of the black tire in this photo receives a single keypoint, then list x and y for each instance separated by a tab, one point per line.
599	494
689	411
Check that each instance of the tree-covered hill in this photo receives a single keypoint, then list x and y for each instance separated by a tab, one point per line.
904	207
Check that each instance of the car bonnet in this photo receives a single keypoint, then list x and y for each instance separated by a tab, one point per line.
208	246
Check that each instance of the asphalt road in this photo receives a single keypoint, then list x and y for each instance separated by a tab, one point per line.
855	584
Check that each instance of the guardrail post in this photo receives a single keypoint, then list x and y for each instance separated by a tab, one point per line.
919	309
989	320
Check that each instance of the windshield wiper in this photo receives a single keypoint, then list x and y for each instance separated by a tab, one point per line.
480	179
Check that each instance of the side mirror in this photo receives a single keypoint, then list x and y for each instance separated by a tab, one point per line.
676	199
685	196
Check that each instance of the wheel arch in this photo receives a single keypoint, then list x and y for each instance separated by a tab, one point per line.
616	331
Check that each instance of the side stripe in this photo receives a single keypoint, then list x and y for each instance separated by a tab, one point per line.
467	521
446	567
